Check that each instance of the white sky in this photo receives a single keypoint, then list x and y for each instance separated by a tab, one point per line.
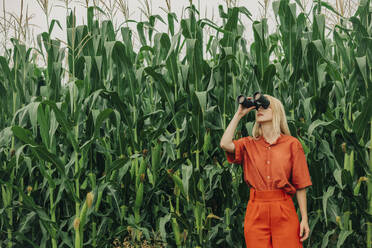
208	8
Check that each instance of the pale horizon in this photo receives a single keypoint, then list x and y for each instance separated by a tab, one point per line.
208	9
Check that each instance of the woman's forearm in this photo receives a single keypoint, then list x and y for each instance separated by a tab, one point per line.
228	135
302	203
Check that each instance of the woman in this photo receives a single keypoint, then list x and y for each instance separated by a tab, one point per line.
275	168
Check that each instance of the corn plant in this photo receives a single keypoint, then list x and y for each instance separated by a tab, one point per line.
108	143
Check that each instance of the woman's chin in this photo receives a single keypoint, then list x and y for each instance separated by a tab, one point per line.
262	121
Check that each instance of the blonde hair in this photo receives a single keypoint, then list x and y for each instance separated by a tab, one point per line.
279	119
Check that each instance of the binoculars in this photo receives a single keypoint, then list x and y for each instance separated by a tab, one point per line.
258	101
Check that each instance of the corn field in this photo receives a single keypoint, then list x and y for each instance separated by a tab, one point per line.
111	146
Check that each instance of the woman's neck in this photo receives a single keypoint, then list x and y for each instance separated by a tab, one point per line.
268	132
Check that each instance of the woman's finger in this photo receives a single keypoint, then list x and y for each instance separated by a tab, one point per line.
306	235
251	108
247	110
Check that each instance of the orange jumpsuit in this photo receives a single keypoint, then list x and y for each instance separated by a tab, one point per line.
274	172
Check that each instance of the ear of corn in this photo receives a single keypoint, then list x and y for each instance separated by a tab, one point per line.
155	161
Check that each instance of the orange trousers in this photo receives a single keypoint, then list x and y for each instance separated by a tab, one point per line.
271	220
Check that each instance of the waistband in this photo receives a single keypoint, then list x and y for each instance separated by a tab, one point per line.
267	195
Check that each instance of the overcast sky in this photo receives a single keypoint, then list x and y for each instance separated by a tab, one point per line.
208	8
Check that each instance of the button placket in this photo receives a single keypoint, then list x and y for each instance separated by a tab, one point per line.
268	164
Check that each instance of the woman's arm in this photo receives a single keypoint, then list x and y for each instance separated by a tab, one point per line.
302	203
226	140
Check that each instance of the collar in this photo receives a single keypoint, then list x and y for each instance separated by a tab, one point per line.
280	139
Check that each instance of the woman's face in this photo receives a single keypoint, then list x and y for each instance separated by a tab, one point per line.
264	115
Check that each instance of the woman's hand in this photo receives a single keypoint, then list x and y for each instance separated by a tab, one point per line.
242	111
304	230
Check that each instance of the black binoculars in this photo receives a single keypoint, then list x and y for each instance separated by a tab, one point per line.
258	101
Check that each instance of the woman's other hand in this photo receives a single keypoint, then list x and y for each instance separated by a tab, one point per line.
304	230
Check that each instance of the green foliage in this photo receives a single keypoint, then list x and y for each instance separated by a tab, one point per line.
140	130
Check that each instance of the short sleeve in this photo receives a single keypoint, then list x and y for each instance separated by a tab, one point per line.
236	158
300	171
